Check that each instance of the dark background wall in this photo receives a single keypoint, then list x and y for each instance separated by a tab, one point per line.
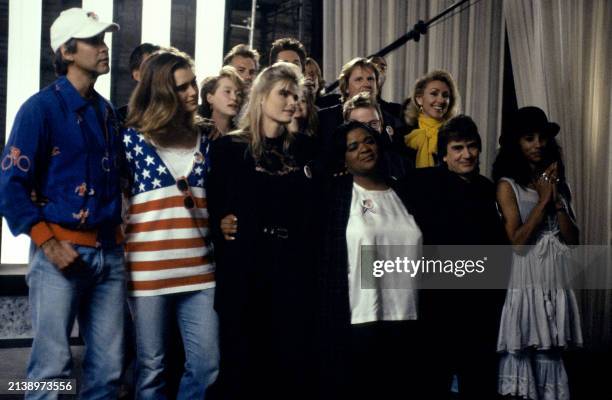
128	14
301	19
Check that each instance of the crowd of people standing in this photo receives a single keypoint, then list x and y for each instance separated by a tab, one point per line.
238	210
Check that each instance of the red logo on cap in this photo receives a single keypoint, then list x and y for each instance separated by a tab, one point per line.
92	15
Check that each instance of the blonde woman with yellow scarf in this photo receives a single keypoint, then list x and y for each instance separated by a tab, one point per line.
434	101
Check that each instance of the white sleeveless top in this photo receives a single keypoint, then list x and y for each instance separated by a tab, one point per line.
378	217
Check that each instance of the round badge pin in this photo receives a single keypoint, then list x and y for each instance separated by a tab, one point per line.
307	172
389	130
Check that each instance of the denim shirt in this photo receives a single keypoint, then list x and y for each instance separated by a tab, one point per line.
69	153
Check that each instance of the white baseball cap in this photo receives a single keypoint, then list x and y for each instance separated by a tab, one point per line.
79	24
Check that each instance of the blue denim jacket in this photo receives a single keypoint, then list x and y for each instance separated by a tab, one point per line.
59	148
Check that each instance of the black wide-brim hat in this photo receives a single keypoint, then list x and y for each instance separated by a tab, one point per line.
529	120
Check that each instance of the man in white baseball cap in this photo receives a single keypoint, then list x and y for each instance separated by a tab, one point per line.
78	24
65	146
74	26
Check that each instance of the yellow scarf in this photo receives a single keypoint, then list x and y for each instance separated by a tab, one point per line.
424	140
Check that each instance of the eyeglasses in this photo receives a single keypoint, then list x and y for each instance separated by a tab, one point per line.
375	124
183	186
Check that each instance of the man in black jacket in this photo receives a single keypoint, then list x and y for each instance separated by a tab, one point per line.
455	205
358	75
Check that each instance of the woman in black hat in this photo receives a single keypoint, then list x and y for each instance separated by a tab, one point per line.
540	315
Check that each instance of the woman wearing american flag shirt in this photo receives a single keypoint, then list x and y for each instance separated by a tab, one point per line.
171	273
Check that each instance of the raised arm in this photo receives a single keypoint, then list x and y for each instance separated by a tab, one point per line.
568	230
520	233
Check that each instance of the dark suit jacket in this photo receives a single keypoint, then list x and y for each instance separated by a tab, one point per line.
328	100
394	109
443	200
452	211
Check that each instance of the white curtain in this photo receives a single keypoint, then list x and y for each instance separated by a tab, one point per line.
470	45
561	54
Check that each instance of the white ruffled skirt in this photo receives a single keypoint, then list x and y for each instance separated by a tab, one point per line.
533	375
540	317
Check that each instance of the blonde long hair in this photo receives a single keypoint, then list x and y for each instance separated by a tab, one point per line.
155	108
249	127
411	115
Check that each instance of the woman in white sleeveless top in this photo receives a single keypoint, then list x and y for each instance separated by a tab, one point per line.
369	347
540	317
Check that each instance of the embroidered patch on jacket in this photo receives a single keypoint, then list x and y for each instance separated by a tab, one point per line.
81	215
106	164
81	190
14	158
55	151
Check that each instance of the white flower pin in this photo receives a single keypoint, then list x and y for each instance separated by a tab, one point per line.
367	205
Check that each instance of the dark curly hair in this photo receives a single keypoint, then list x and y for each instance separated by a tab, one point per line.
459	128
138	54
512	163
288	44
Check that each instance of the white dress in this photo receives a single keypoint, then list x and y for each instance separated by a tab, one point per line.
540	315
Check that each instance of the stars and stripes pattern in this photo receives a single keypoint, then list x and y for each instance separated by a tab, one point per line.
167	249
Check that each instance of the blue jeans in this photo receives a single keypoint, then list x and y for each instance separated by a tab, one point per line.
94	292
199	327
